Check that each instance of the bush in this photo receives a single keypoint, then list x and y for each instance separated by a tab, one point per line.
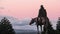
6	27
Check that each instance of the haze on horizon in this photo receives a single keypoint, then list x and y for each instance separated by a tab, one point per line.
29	8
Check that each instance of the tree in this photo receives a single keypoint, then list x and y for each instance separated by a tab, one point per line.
6	27
58	24
48	29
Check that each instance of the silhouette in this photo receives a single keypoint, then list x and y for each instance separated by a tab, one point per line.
6	27
48	27
58	26
42	19
46	23
42	12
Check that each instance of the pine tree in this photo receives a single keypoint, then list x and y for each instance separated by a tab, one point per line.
6	27
48	29
58	24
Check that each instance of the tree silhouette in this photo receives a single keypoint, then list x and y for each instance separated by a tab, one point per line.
48	27
58	26
6	27
42	12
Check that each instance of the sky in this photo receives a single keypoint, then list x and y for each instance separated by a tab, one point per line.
29	8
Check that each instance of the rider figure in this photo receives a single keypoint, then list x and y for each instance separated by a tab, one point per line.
43	15
42	12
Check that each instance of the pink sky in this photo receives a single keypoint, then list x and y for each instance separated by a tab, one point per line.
29	8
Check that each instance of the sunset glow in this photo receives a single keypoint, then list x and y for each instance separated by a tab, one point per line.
29	8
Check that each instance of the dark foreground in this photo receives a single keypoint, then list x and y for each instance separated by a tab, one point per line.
33	32
25	32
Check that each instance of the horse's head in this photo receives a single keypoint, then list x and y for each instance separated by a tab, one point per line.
31	22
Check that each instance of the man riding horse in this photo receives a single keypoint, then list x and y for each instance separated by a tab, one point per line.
42	14
40	20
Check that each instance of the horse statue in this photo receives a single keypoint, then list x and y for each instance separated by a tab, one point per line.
38	23
42	19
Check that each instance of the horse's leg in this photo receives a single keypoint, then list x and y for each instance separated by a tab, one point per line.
41	29
37	29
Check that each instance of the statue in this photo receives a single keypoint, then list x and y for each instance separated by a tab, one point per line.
42	19
42	12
